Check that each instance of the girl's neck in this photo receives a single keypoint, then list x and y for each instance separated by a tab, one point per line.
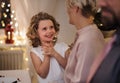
48	43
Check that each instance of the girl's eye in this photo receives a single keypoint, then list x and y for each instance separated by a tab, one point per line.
51	27
44	28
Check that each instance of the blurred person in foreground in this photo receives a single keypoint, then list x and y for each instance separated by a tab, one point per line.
106	67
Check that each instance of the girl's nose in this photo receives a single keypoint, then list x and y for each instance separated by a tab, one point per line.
49	30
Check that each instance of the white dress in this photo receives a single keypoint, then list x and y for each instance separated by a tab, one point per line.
55	74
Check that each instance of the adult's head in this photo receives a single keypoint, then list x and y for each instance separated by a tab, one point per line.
110	10
34	28
80	8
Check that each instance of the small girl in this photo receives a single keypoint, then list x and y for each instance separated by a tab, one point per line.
47	55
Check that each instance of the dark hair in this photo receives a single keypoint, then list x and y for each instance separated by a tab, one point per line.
87	9
32	29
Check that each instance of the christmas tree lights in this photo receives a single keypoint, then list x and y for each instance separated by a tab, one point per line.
5	13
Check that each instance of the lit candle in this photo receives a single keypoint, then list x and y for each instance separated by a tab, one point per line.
8	35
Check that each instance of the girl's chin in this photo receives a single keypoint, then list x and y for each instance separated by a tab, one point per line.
49	40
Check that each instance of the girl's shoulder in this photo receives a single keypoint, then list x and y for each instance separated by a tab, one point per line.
36	50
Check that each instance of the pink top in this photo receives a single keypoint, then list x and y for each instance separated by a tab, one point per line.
99	59
89	43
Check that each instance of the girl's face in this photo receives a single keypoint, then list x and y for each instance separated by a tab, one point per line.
46	31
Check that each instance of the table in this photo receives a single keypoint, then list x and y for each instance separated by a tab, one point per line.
22	75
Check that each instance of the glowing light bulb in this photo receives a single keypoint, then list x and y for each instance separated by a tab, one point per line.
7	10
8	5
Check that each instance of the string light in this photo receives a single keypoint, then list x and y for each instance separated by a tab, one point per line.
8	5
11	15
5	15
13	11
3	24
16	24
15	19
11	22
3	4
7	10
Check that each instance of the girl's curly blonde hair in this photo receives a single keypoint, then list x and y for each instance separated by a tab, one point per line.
33	27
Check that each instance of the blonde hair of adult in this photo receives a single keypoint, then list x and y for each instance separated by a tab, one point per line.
88	6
